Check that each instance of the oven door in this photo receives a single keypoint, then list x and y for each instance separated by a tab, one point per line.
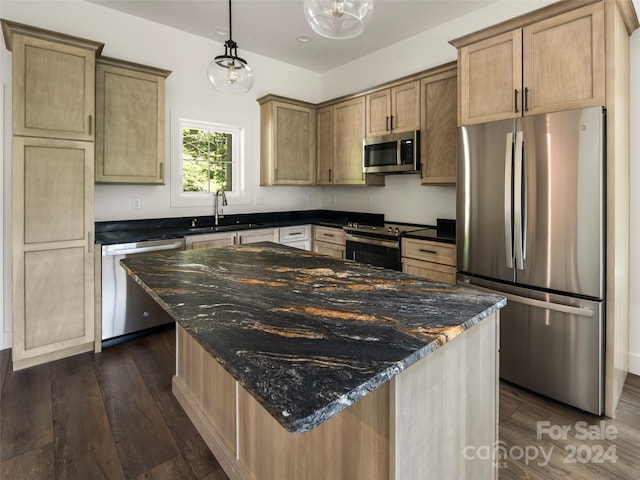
374	251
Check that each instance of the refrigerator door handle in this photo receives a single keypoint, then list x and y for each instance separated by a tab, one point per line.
508	227
518	201
532	302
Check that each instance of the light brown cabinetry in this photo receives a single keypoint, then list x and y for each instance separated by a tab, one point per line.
340	131
221	239
129	122
298	236
53	83
287	141
329	241
439	132
393	110
52	194
432	260
554	64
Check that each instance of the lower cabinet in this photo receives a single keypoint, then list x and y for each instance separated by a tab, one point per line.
298	236
329	241
220	239
53	264
434	261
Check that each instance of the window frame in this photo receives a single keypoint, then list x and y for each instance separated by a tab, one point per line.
239	134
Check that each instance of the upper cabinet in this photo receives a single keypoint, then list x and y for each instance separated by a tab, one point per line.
129	122
439	132
393	110
340	130
287	141
53	83
550	65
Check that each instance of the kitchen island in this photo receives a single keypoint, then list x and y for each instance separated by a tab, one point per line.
294	365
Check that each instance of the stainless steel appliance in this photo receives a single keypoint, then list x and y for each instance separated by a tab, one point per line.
530	225
126	307
376	245
393	153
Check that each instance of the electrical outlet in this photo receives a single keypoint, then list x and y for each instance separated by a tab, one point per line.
308	199
333	198
136	203
370	201
260	200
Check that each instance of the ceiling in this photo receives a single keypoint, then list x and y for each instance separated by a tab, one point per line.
271	27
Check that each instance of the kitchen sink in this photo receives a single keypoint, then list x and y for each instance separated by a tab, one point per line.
224	228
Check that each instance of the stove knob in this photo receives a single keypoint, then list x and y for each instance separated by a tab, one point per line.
397	231
349	224
389	230
355	224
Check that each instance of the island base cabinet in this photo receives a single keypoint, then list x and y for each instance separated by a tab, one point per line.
434	420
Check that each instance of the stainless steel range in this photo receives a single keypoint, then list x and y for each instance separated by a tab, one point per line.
377	245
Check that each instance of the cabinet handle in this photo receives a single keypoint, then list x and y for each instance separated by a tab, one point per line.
330	175
161	174
295	233
90	124
526	99
391	122
433	252
329	235
90	241
387	123
515	101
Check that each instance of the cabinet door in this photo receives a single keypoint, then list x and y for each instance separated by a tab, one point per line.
563	61
378	113
348	133
490	79
294	147
431	271
405	107
439	132
193	242
53	265
129	124
324	146
261	235
53	89
330	249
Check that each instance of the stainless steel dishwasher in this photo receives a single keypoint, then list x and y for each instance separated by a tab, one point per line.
127	309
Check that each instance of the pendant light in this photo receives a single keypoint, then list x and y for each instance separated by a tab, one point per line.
338	18
228	72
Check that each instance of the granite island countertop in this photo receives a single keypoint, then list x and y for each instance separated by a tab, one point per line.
306	334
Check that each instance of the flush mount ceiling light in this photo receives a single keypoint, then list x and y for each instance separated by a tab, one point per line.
228	72
338	18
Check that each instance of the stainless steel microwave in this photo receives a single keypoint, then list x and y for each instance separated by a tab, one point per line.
393	153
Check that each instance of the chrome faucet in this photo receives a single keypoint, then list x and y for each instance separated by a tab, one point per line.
216	212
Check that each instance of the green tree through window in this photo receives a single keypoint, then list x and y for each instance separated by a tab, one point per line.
206	160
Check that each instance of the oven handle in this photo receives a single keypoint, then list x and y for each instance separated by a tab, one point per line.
349	237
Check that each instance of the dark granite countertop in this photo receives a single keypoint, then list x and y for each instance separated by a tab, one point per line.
432	234
306	334
129	231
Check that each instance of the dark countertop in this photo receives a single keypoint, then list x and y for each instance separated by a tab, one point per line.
129	231
306	334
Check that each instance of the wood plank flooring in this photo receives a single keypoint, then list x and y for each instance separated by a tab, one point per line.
112	415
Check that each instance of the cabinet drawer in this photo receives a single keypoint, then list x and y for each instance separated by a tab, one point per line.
294	234
328	234
436	252
429	270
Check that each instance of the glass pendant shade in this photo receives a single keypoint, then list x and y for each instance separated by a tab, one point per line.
338	18
229	73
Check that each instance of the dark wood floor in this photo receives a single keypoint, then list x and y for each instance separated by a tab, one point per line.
112	415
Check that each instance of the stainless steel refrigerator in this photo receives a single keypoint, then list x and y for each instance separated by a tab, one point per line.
530	225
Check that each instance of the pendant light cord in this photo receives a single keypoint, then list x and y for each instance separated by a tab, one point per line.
230	28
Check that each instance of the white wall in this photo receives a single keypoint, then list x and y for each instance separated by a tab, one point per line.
634	311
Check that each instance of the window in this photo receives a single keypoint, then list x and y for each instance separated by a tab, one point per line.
207	156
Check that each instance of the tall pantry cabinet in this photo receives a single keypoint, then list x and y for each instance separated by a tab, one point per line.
53	118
